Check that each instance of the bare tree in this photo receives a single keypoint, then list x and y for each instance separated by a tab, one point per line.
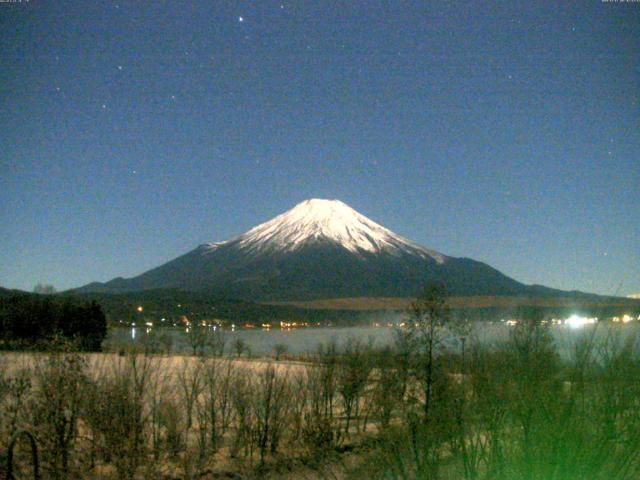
217	342
190	382
353	371
242	395
388	386
270	409
197	337
240	346
115	411
280	349
57	404
319	428
427	323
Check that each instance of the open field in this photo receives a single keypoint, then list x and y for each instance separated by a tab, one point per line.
14	362
198	417
504	302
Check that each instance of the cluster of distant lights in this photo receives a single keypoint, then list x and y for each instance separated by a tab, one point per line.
216	325
577	321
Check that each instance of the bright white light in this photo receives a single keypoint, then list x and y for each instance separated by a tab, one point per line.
575	321
240	19
626	319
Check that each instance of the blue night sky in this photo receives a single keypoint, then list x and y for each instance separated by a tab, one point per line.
508	132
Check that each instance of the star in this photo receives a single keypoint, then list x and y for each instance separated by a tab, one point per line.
240	19
173	97
104	107
119	67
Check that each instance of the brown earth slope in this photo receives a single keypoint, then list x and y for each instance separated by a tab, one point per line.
399	303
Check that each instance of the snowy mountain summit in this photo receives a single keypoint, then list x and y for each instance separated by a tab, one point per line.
318	220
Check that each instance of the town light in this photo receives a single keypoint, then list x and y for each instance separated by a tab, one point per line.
576	321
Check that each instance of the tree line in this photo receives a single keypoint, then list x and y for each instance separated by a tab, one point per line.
32	321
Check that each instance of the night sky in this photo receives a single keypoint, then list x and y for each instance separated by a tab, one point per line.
508	132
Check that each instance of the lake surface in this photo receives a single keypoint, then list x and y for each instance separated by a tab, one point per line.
306	340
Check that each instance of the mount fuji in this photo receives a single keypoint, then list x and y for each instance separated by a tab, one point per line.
319	249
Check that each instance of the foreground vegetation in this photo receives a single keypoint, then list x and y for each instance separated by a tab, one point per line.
435	406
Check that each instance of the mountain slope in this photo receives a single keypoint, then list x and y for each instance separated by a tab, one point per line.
319	249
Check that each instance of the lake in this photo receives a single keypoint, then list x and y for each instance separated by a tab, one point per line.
306	340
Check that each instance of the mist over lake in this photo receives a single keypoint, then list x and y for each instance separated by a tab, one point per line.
306	340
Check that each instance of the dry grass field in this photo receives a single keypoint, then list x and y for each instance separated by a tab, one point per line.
143	415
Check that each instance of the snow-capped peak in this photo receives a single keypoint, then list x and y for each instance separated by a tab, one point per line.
332	220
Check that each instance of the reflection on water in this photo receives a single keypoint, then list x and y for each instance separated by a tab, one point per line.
305	340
